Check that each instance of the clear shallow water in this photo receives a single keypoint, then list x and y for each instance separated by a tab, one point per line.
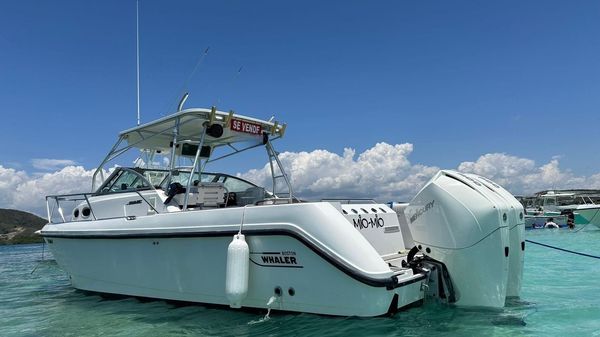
560	297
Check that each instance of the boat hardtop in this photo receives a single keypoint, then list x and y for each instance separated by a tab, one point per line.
189	123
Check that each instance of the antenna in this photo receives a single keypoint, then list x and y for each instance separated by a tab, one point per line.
137	54
186	83
235	76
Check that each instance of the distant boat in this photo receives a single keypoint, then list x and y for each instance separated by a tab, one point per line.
555	203
540	221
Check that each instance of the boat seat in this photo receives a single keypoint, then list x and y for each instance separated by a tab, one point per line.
211	194
250	196
179	198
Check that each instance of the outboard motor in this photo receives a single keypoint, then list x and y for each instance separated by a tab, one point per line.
461	227
516	220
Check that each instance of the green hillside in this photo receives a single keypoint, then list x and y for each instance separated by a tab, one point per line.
19	227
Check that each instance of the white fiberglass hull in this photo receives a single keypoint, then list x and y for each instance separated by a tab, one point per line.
192	272
589	214
188	263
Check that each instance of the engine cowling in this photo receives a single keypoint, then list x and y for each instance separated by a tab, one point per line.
460	222
516	231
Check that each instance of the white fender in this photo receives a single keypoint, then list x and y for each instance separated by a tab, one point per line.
236	278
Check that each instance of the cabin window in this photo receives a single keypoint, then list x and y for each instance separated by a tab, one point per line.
564	201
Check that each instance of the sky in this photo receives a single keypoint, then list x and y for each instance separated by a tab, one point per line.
377	95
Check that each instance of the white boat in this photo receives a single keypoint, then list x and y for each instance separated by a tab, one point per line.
554	203
180	233
540	221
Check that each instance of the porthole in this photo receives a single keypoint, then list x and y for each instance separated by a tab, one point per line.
521	215
504	217
364	210
76	212
85	212
355	211
374	210
277	291
383	210
344	211
291	291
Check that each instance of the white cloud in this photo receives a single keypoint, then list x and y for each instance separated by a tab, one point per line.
522	176
383	172
23	191
10	179
47	164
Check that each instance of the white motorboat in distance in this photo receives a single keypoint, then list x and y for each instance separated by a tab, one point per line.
579	206
180	233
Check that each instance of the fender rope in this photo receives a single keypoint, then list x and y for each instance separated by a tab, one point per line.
564	250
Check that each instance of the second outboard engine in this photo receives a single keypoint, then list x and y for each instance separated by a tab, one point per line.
516	236
462	227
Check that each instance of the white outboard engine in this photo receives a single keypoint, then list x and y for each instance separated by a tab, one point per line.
516	221
461	227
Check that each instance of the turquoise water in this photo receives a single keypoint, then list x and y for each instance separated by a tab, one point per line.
560	297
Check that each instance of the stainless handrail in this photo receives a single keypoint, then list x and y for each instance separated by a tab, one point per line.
65	197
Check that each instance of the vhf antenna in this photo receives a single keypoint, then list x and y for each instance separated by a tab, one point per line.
137	45
235	76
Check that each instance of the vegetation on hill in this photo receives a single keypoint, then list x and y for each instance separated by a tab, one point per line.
19	227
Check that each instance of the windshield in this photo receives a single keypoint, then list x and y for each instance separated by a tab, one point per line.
565	200
550	202
231	183
129	180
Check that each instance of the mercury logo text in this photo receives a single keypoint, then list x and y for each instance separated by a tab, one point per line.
421	211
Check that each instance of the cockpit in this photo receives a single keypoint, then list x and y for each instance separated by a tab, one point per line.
193	137
235	191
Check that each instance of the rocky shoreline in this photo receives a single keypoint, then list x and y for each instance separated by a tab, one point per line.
18	227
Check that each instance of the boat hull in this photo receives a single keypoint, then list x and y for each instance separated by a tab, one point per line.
191	266
193	270
588	215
